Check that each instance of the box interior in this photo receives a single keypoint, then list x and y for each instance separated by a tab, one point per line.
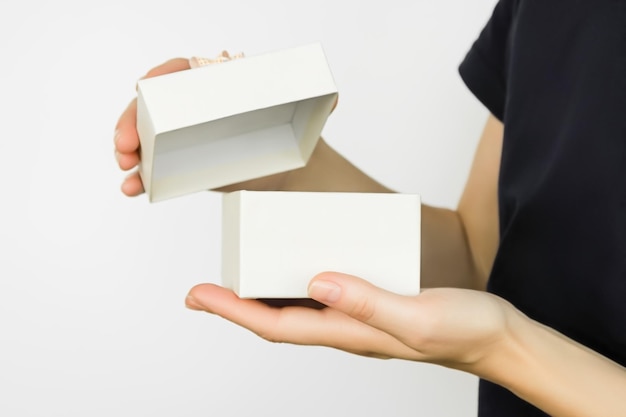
232	149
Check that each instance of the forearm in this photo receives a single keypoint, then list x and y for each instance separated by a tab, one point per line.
446	259
556	374
328	171
446	256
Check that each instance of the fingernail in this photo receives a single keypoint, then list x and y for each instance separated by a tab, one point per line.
116	137
193	304
324	291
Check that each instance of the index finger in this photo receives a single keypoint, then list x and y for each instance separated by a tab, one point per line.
126	137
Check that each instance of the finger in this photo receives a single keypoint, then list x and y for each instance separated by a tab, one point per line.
335	104
298	325
132	185
391	313
127	161
172	65
126	138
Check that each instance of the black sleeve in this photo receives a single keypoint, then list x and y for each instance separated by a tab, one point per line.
484	68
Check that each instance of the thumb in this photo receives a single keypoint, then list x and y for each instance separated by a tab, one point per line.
389	312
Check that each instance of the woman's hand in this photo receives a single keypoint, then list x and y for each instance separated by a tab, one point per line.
452	327
127	142
126	138
467	330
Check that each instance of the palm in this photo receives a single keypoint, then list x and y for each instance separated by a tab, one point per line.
452	327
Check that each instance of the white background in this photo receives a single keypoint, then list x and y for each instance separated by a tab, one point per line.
92	283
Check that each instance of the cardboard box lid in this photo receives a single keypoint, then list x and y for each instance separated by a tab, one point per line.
238	120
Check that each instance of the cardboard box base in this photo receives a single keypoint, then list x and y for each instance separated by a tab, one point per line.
275	242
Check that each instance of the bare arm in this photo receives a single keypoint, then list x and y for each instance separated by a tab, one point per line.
555	373
472	331
458	247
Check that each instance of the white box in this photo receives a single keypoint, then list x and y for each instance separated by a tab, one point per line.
275	242
221	124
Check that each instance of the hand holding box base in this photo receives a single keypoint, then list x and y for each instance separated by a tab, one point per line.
452	327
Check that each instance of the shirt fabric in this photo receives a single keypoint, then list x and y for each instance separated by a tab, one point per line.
554	72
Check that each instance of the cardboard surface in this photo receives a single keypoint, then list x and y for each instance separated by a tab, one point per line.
275	242
225	123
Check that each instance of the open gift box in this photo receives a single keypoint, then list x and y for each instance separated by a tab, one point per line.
222	124
275	242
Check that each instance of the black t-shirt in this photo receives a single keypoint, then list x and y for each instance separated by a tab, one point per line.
554	71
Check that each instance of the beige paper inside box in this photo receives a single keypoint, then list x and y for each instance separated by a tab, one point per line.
222	124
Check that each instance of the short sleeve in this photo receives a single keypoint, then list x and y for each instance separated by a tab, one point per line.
484	68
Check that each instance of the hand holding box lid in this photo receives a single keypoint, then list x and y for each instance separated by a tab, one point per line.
222	124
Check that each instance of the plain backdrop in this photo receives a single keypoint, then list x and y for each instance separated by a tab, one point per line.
92	283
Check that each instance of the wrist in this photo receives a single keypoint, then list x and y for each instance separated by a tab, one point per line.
503	359
553	372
